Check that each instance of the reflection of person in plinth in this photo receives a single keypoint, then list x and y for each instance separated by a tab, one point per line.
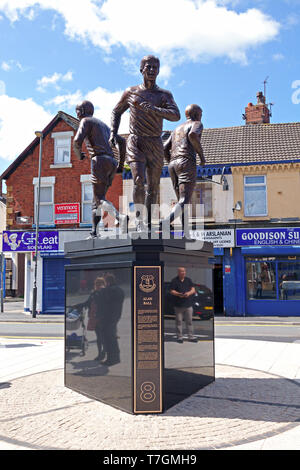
112	305
148	105
180	151
104	166
182	289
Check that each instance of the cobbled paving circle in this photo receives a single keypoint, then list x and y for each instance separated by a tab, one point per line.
242	405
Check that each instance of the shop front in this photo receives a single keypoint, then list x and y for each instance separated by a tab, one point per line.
268	266
222	240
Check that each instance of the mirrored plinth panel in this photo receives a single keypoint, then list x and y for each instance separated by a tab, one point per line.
98	334
139	322
188	331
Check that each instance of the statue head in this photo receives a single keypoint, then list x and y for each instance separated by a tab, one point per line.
193	112
149	67
84	109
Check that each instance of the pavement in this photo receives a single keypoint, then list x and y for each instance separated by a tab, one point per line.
254	403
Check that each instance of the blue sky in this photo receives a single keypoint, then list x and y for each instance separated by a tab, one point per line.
215	53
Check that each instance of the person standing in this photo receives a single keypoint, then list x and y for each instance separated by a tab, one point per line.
180	151
182	289
104	166
149	105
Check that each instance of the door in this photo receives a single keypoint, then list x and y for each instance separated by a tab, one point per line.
54	285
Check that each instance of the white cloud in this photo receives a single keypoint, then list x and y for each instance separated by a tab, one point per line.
102	99
69	100
5	66
53	80
182	30
278	56
19	119
8	65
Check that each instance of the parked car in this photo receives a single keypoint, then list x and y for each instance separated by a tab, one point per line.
202	302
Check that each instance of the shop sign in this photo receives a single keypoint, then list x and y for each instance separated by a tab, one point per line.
25	241
286	236
67	213
222	238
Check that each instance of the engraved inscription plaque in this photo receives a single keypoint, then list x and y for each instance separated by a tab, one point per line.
147	340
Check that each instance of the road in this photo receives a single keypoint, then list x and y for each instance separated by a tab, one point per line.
287	330
30	330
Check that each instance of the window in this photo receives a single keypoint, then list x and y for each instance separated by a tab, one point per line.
289	280
46	215
261	280
202	194
270	278
62	148
86	199
255	192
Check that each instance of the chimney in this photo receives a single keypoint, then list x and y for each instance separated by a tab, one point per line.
258	113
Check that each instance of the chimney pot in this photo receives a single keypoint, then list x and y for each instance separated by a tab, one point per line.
258	114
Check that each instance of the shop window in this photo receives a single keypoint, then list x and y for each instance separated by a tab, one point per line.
261	280
289	280
202	195
255	196
270	278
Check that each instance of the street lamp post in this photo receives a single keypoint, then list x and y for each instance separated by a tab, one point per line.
34	292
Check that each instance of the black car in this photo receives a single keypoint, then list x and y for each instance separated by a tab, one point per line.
202	302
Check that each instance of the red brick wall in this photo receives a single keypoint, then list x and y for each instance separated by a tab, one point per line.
67	188
257	114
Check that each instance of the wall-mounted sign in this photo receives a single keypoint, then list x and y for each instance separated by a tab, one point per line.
67	213
220	238
268	236
25	241
147	340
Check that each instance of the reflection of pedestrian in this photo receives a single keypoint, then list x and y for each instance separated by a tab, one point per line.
283	290
95	314
113	298
182	289
258	287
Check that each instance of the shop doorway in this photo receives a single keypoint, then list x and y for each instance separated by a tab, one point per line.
218	289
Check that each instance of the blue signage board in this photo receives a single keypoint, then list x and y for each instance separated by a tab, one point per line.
25	241
268	236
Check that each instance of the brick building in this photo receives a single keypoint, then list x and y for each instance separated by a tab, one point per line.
65	181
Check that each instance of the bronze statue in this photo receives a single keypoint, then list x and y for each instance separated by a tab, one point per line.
104	166
148	105
180	151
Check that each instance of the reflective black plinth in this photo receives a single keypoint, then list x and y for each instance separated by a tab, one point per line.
121	326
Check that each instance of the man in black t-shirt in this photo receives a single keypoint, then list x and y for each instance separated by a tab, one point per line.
182	289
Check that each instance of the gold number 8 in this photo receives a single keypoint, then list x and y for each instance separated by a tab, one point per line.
148	394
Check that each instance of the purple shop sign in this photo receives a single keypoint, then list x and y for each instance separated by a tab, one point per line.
25	241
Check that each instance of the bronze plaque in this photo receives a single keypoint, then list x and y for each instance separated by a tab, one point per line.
147	340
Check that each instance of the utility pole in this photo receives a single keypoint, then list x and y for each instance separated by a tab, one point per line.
37	222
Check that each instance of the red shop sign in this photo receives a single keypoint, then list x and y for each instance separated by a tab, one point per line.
67	213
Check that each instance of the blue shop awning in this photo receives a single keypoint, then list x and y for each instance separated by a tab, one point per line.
271	250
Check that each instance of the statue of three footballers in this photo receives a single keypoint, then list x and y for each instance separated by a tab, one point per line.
144	151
